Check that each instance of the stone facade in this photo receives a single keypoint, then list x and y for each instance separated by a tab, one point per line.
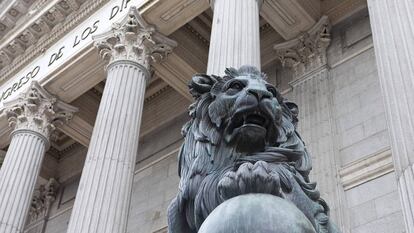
336	83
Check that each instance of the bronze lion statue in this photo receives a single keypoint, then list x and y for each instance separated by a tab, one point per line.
242	139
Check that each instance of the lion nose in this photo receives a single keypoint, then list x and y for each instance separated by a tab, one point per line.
260	94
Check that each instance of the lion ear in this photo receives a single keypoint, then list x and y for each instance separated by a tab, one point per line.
294	109
200	84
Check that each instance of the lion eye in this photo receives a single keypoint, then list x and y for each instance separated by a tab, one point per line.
236	85
272	90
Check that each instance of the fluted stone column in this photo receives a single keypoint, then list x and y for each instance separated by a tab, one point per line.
103	197
393	35
235	35
34	116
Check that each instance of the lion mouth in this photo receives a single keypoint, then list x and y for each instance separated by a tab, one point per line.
249	130
255	118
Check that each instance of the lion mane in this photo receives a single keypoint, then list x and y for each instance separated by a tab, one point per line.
206	159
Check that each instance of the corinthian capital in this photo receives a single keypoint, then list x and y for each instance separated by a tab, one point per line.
38	111
308	51
135	40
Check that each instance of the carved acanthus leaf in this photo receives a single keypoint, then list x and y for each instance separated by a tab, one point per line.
308	51
135	40
38	111
43	198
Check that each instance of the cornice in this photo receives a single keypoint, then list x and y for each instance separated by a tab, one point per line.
344	9
40	20
43	42
12	11
197	35
60	154
157	93
366	169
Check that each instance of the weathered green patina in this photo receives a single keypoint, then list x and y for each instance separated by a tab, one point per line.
242	139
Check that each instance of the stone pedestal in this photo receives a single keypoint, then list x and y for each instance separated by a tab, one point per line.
393	35
235	35
34	115
103	197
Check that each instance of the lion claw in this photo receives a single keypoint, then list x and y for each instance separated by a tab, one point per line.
249	178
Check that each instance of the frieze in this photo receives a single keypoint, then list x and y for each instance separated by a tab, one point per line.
51	18
60	52
36	31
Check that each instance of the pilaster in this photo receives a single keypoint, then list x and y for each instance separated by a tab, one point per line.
393	37
34	115
306	57
103	197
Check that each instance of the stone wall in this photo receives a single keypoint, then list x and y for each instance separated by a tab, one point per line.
342	120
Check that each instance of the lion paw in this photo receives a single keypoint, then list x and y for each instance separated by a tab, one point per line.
249	178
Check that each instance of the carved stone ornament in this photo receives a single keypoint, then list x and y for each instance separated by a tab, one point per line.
43	198
241	139
308	51
2	156
38	111
134	40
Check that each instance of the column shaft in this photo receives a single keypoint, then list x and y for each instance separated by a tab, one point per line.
104	193
18	177
103	197
235	35
393	34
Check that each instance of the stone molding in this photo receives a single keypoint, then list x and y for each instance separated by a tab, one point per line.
10	12
51	35
307	52
37	111
366	169
344	9
23	39
291	18
134	40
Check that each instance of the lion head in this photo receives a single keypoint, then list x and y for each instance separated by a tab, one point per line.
244	108
238	121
